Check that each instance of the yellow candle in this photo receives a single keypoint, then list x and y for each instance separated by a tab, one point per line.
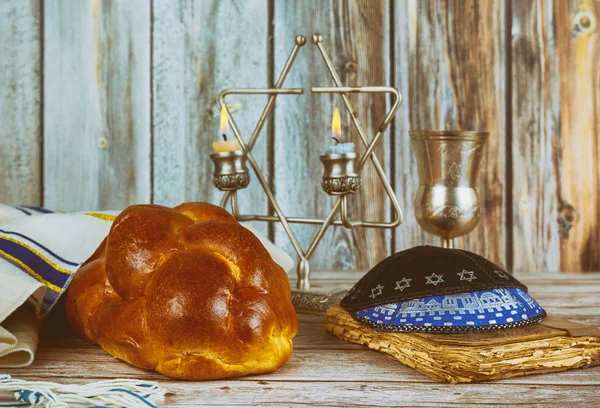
225	145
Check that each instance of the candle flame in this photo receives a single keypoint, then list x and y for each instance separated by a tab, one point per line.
336	125
224	124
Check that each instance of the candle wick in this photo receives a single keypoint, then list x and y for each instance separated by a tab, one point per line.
336	140
224	137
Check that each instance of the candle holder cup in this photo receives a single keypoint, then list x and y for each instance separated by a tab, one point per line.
230	171
339	174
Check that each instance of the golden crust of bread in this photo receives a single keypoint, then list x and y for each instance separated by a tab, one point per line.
186	291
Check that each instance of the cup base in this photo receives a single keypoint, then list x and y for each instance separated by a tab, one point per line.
341	185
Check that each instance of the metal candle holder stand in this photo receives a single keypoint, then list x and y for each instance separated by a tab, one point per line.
341	175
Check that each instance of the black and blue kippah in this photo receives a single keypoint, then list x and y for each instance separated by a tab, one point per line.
433	289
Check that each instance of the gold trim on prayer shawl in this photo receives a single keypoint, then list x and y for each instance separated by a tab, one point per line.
49	285
48	261
100	216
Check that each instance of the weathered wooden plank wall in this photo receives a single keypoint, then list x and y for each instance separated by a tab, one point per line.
556	134
536	127
96	104
116	103
20	102
199	48
578	51
451	70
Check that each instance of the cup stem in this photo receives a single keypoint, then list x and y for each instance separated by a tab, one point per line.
448	243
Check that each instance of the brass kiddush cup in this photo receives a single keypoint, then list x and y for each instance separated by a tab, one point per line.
448	161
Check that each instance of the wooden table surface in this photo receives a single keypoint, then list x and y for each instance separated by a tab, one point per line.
325	371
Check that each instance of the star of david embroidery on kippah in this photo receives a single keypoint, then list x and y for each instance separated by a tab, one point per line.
434	279
467	275
502	274
353	293
376	291
402	284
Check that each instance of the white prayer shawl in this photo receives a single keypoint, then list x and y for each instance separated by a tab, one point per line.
39	253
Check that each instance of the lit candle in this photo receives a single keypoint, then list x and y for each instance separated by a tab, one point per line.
336	129
225	145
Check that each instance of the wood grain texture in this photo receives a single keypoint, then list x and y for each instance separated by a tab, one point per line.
20	102
406	180
535	128
356	36
325	371
199	49
555	135
454	79
578	49
96	104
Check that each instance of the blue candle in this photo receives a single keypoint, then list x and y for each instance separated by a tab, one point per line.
340	148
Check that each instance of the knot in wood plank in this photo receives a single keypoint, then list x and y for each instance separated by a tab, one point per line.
584	23
567	216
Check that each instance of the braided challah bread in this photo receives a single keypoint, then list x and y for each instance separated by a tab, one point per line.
185	291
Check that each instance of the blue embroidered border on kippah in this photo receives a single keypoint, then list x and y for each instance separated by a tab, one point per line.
474	309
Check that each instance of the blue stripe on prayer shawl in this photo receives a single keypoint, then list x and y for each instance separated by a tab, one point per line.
34	262
38	209
22	210
40	245
133	394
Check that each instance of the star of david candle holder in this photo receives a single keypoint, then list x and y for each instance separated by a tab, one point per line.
341	176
